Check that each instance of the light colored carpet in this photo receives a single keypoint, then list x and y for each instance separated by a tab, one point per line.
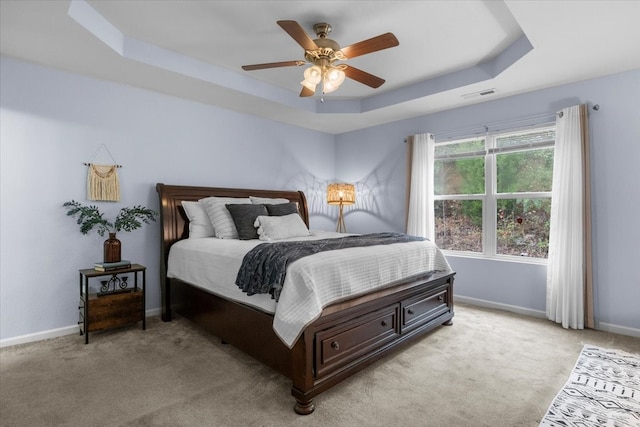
602	390
491	368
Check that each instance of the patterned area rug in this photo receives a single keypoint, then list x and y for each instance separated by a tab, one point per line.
603	390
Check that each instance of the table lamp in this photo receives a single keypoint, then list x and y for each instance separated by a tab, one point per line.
341	194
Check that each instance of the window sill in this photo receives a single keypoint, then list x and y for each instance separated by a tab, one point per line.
503	258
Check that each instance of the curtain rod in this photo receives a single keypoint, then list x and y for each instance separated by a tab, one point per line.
485	128
594	108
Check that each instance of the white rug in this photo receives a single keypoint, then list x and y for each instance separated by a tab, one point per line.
603	390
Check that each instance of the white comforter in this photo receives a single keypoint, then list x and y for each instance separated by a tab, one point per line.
311	283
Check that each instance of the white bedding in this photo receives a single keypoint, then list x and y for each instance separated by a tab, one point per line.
311	283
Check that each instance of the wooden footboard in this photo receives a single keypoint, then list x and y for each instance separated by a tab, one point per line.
346	338
350	336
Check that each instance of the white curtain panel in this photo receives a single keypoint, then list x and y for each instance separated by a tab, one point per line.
420	221
565	271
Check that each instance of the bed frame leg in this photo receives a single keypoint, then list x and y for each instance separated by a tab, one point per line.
448	323
304	407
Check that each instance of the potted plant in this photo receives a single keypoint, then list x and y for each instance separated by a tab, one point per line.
128	219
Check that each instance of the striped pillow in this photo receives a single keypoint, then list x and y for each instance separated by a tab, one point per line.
220	217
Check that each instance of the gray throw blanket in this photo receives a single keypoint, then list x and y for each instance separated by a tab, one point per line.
264	267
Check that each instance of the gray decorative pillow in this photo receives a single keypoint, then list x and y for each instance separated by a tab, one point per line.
282	209
244	216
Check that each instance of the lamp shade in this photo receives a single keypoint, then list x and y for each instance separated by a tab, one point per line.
313	74
332	79
341	193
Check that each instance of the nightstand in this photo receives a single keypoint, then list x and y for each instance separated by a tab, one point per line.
115	303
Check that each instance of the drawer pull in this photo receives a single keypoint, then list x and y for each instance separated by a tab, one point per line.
441	298
335	345
384	323
409	312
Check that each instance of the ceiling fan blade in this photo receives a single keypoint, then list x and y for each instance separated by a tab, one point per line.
363	77
306	92
272	65
383	41
298	34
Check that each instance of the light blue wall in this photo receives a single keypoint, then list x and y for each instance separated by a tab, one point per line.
52	122
375	159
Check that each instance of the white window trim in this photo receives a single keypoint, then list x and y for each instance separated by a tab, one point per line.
506	258
489	198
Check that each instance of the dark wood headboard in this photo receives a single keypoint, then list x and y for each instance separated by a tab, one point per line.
175	225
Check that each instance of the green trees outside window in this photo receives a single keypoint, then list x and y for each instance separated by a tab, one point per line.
493	194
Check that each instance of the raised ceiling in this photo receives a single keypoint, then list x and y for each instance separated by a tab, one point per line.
449	52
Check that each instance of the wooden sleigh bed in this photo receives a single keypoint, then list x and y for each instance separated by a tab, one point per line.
347	337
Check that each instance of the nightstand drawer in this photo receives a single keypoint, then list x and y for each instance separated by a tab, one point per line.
114	310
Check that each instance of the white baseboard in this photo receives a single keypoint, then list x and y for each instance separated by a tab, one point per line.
616	329
600	326
39	336
54	333
500	306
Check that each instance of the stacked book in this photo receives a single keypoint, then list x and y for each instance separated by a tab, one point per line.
111	266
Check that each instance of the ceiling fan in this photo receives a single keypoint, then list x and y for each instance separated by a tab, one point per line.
323	53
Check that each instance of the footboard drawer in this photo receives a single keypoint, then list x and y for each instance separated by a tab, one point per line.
423	308
347	341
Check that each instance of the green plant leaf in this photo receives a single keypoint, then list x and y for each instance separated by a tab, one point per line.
128	219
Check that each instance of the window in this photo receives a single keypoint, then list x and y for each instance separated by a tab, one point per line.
493	193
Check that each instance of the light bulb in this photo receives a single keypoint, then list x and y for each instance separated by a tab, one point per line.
334	75
313	74
328	87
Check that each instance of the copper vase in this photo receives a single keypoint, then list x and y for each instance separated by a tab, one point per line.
112	249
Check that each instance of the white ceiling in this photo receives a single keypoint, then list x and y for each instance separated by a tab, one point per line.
194	50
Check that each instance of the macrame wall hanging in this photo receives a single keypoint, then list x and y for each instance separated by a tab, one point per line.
102	179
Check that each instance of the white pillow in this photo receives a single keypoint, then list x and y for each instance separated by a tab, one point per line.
280	227
267	201
220	217
199	224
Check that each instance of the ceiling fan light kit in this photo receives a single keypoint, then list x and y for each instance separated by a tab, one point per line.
323	52
330	76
